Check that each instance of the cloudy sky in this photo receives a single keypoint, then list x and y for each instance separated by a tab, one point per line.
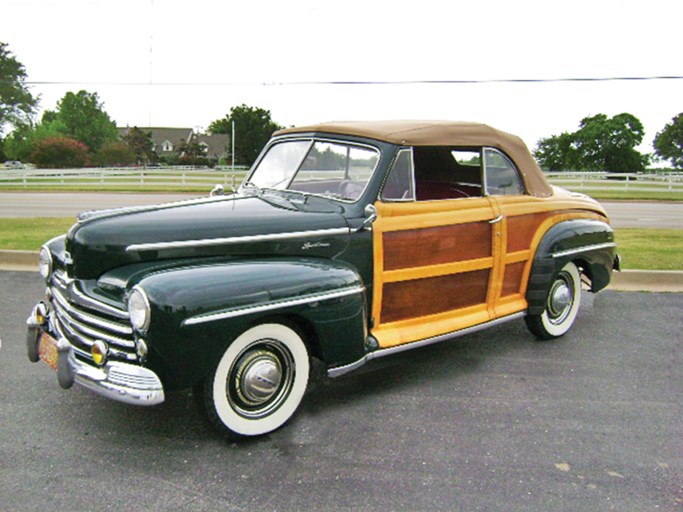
173	63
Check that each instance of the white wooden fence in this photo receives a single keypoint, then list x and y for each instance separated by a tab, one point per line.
124	177
619	182
191	177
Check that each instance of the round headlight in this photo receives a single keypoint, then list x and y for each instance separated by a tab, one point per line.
45	262
138	309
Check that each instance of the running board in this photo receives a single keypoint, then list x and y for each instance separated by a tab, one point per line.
342	370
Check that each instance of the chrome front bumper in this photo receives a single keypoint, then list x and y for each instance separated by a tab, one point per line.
124	382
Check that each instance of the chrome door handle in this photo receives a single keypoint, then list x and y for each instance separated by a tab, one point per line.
497	219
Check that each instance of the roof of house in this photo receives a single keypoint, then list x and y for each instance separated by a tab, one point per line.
160	135
217	143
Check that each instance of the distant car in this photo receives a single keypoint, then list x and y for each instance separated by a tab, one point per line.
346	242
14	164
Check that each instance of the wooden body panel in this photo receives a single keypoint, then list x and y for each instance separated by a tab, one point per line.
442	266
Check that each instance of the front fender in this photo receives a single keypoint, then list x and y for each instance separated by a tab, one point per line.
198	310
590	243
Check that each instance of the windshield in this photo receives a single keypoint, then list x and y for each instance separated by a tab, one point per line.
331	169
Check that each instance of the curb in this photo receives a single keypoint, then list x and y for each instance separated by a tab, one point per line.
19	260
647	281
626	280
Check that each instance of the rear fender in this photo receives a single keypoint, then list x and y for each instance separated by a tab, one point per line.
589	243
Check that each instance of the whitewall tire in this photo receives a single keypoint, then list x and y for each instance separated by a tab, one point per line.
562	305
259	381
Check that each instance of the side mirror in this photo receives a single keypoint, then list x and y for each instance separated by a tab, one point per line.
370	217
218	190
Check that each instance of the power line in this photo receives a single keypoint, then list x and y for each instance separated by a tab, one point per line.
366	82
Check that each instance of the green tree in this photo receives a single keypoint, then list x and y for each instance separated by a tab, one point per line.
115	153
600	144
17	104
253	128
82	117
669	142
60	152
557	152
141	144
608	144
20	143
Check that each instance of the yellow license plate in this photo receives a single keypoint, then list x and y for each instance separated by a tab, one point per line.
47	350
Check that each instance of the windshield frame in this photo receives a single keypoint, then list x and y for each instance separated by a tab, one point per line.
312	142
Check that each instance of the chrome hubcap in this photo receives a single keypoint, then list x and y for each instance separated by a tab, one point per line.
260	378
560	298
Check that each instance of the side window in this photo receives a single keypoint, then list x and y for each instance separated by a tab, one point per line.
447	173
400	182
502	178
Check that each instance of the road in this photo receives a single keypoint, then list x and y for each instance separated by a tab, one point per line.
65	204
491	421
645	215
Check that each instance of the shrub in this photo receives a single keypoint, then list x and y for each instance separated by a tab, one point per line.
60	153
198	161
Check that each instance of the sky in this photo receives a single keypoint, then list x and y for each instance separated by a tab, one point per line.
186	63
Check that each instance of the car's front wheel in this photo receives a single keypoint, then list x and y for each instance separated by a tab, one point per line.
562	305
259	381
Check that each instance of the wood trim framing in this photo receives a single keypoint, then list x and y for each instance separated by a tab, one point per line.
442	266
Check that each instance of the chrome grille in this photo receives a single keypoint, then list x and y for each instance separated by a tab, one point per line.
83	320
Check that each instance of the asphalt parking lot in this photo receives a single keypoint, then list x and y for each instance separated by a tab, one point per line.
491	421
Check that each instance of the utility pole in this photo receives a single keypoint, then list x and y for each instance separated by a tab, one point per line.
233	147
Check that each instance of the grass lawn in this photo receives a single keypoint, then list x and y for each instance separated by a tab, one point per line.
636	195
643	249
650	249
28	234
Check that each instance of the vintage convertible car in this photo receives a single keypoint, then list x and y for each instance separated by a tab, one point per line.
346	242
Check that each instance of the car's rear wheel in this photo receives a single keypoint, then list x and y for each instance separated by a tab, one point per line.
562	305
259	381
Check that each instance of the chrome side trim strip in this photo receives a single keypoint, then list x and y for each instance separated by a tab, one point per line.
307	299
156	246
341	370
585	248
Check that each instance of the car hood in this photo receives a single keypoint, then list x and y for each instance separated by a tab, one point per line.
231	227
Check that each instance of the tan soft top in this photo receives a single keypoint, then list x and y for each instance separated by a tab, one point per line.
441	133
